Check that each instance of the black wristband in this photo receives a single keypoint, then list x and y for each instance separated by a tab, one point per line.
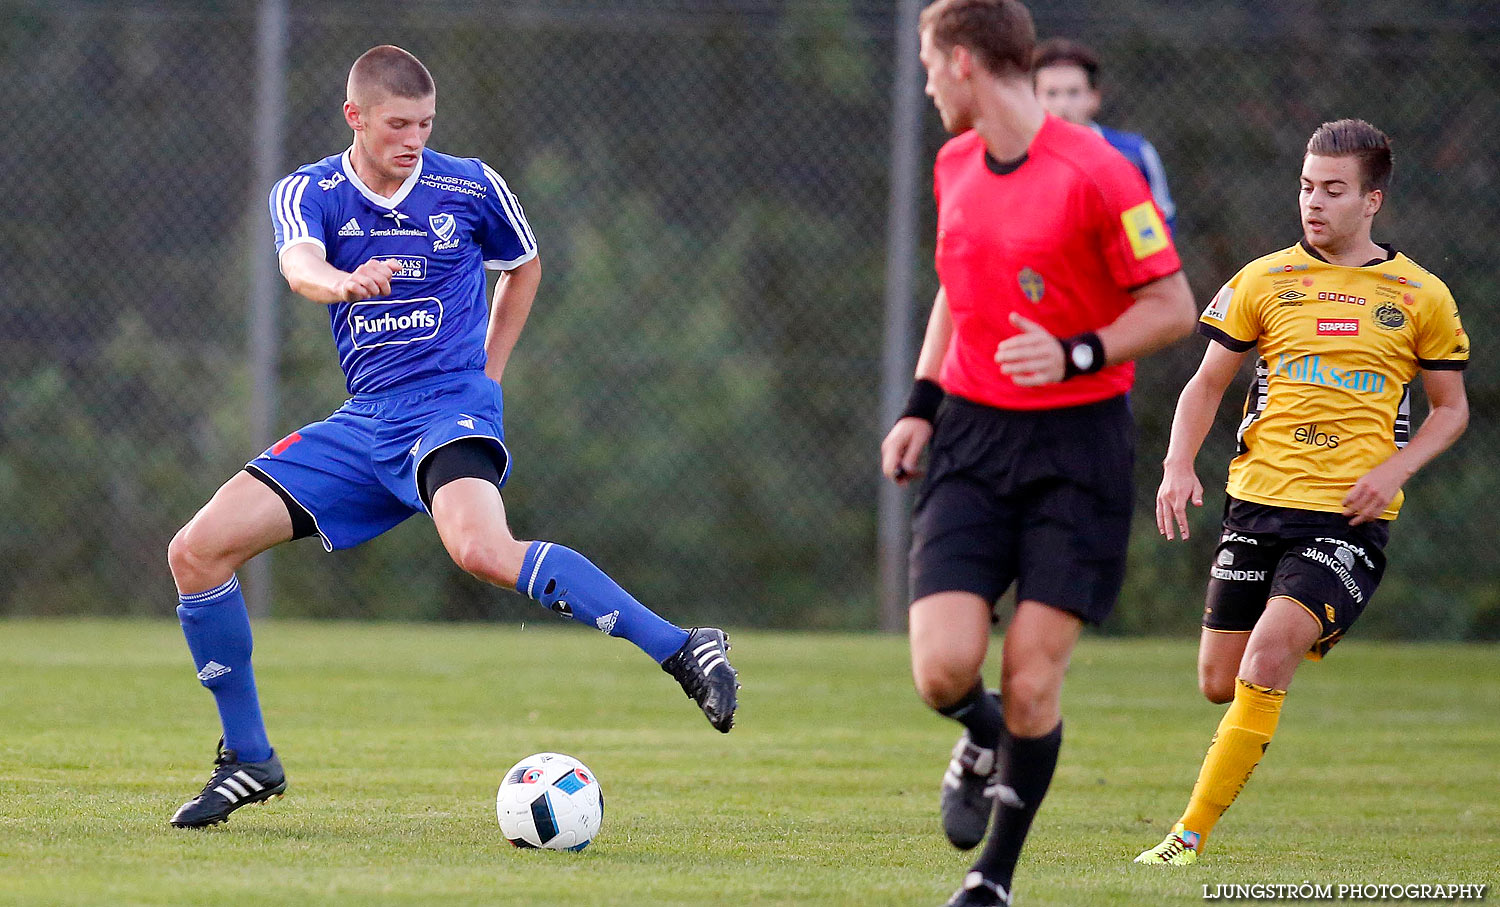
1083	354
926	397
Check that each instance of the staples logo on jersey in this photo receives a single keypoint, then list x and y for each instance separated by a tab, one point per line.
444	225
413	267
1337	327
394	321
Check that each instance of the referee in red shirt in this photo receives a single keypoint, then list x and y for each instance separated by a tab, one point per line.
1056	271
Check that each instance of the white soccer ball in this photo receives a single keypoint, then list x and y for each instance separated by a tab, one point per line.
550	801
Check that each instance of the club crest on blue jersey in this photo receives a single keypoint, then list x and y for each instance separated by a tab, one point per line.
443	225
394	321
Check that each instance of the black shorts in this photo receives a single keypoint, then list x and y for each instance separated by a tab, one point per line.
1316	559
1042	498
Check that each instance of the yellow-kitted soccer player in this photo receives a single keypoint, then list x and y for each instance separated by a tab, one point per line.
1341	325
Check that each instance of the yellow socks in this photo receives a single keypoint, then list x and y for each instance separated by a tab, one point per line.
1236	749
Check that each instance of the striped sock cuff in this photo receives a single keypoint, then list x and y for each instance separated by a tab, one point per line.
211	596
531	566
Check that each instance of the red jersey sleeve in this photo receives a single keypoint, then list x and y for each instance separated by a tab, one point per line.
1134	237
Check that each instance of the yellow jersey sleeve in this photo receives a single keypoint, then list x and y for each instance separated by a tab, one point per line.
1441	340
1233	317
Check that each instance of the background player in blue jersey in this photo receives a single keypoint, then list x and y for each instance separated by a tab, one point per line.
394	238
1067	83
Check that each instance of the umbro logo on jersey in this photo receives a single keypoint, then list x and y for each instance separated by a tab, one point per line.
213	669
351	228
466	423
1292	294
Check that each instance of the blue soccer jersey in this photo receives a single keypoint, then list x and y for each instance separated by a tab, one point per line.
1143	155
451	219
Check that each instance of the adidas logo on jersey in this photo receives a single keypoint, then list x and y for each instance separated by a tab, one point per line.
211	670
351	228
607	622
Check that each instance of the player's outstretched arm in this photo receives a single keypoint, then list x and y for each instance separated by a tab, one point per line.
901	451
312	277
514	293
1446	420
1196	408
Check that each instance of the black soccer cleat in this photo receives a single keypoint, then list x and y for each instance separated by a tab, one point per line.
233	784
979	891
970	787
702	667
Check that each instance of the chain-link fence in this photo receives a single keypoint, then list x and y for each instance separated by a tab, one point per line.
694	401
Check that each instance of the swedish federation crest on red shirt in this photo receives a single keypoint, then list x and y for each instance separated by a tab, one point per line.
1032	284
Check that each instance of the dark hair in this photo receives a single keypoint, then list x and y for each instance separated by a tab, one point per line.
1357	139
999	32
393	71
1062	52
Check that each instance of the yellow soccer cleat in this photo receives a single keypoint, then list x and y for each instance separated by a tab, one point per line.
1180	848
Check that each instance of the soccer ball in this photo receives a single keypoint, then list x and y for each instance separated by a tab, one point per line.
550	801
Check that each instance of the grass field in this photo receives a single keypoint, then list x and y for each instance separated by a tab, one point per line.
1386	770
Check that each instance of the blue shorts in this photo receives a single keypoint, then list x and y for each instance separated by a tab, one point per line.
356	472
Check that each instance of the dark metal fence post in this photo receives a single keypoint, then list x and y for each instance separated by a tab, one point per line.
265	286
896	360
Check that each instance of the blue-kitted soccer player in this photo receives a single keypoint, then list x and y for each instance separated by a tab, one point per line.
1066	74
394	239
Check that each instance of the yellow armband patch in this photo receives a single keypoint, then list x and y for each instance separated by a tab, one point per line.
1144	227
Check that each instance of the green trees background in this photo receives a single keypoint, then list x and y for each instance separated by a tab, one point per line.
694	402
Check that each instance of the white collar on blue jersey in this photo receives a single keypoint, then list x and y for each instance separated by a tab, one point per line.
372	195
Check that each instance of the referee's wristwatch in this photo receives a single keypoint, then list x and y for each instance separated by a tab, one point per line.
1083	354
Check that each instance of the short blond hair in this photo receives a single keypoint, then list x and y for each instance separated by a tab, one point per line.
388	69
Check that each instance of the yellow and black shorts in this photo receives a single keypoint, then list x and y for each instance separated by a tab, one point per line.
1316	559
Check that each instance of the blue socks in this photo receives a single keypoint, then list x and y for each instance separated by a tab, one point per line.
566	581
217	628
